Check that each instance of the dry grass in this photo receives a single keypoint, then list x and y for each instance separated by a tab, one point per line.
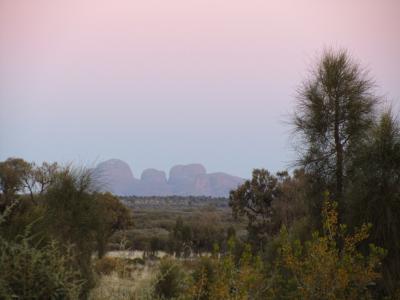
127	281
134	287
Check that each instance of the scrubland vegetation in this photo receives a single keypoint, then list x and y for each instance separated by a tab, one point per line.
330	229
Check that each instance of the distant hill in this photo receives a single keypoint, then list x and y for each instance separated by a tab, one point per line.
116	176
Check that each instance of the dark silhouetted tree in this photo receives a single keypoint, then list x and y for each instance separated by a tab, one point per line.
334	112
12	174
71	217
114	216
253	199
375	193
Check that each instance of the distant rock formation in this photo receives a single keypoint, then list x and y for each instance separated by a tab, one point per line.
220	184
116	176
154	176
153	183
182	179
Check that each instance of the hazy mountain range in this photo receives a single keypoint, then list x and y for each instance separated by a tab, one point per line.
116	176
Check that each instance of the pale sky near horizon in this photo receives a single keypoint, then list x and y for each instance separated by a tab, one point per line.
158	83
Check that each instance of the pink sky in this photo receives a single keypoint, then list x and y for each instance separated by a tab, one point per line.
162	82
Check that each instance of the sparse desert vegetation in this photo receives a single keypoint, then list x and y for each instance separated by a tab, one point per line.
328	229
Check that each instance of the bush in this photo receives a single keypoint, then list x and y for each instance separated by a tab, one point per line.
222	277
30	273
329	266
170	279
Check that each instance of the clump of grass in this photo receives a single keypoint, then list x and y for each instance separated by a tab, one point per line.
128	281
112	286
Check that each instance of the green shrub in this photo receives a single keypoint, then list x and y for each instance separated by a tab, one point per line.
169	280
27	272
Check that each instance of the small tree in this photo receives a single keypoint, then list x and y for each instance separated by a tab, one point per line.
268	202
71	217
113	216
181	238
254	199
12	174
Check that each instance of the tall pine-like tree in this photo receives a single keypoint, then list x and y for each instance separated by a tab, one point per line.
334	111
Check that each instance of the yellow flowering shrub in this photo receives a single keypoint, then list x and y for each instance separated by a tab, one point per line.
221	277
329	266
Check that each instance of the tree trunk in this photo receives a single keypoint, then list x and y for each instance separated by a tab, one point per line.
101	247
339	153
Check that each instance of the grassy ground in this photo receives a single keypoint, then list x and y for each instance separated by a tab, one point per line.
123	277
135	286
